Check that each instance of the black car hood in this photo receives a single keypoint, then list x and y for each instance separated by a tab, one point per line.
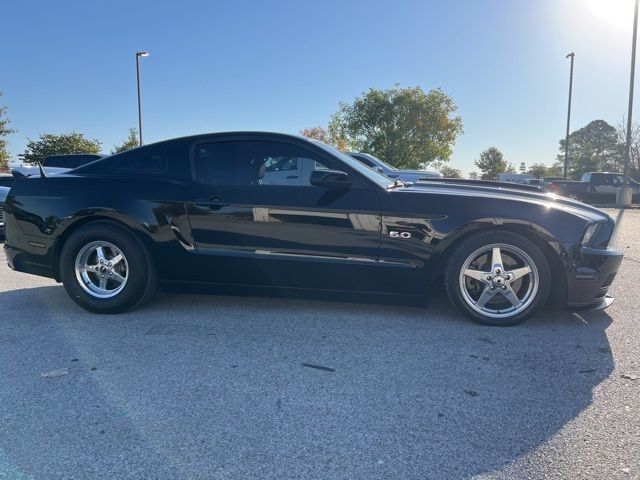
549	200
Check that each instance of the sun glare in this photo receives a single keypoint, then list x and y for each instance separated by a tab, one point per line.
616	12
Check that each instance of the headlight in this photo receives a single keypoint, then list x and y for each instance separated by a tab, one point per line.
590	232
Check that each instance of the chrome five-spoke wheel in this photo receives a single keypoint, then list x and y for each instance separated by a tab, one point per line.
499	281
101	269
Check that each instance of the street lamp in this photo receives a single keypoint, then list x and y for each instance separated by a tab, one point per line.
566	140
625	193
138	55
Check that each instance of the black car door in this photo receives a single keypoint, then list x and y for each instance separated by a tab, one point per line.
249	229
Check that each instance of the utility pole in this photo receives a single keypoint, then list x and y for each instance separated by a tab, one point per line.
566	140
138	55
627	149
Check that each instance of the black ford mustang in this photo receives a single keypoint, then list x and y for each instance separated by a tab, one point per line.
278	210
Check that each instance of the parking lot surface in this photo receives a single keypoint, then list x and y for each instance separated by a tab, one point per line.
230	387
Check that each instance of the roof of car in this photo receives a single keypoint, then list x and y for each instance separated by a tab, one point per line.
201	136
205	136
97	155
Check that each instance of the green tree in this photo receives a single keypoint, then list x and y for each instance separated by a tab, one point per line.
634	150
491	163
404	126
52	144
594	147
129	143
5	130
538	170
321	134
450	172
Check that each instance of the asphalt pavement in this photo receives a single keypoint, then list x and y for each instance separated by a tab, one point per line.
228	387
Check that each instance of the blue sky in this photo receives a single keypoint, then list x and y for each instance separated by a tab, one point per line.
285	65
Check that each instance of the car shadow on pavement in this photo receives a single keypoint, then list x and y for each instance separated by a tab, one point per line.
267	387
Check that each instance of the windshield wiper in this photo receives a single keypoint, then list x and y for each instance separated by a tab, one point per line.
398	183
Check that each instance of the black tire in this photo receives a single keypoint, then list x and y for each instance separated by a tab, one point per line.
476	242
142	278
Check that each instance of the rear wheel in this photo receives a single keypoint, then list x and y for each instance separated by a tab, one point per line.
498	278
106	270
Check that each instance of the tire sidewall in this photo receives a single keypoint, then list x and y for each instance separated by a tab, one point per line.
138	269
472	244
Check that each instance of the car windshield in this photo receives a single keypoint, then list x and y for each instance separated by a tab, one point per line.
370	173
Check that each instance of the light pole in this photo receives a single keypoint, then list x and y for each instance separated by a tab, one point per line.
625	193
566	140
138	55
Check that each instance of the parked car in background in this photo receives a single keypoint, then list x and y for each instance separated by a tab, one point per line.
195	210
390	171
34	171
547	180
532	181
4	191
514	177
55	164
593	187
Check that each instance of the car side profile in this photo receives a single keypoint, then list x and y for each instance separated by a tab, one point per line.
217	209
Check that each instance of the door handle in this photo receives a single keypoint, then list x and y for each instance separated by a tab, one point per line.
215	202
291	177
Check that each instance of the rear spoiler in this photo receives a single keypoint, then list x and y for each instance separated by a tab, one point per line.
484	183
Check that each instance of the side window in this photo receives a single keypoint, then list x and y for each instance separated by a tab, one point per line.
617	180
246	163
152	162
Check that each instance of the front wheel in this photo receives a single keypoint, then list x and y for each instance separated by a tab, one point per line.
498	278
106	270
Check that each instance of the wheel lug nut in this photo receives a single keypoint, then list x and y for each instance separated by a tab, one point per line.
504	287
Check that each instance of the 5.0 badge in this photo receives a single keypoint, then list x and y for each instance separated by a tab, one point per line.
394	234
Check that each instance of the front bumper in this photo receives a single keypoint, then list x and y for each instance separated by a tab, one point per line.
589	277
